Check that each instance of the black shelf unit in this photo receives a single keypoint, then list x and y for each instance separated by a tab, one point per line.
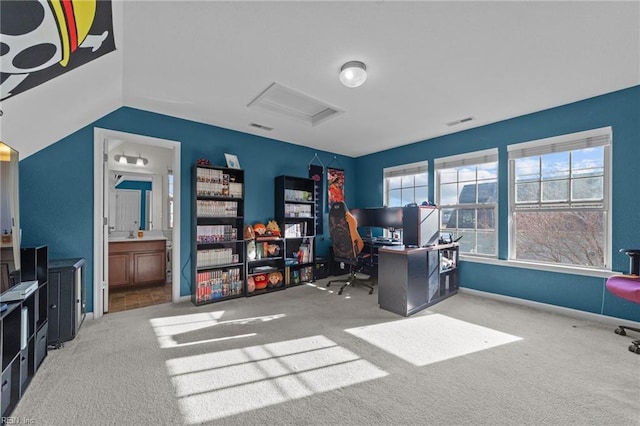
295	212
265	266
217	243
67	297
23	331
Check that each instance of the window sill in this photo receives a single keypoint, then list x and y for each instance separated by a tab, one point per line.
573	270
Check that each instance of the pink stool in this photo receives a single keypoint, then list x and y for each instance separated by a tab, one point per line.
628	287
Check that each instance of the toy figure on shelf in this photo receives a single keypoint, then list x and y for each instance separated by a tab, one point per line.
273	229
275	279
251	285
260	281
259	229
250	238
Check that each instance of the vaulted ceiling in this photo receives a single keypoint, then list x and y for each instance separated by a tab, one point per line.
429	63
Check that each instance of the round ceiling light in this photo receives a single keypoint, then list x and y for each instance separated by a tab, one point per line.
353	73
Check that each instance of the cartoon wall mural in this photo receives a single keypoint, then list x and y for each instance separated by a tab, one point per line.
42	39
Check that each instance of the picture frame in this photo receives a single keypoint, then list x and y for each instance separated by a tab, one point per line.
232	161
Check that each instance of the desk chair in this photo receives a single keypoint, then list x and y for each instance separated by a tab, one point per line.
628	288
347	246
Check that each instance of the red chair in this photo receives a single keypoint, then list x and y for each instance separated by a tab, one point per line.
628	287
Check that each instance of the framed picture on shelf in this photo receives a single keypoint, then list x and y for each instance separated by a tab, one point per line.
232	161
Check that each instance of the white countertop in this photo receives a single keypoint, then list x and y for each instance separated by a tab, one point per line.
127	239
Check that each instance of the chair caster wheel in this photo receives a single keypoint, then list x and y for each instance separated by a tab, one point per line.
620	331
340	292
635	349
371	291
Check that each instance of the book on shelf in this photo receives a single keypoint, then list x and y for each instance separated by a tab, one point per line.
307	252
298	210
297	195
215	257
212	285
295	230
216	208
216	233
216	183
306	274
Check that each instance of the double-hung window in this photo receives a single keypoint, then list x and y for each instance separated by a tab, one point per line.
559	199
468	198
406	184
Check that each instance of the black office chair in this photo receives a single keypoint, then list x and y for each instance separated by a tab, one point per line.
347	246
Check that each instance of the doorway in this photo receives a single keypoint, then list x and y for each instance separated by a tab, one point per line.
158	187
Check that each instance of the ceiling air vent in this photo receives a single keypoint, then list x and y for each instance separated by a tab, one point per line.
462	120
261	127
286	102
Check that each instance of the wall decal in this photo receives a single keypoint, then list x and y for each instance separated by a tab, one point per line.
42	39
316	173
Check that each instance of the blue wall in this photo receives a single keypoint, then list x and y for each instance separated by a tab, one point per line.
57	182
57	188
621	111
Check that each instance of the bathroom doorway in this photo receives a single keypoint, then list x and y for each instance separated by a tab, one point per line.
153	170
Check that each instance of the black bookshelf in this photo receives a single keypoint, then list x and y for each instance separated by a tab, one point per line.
295	212
218	245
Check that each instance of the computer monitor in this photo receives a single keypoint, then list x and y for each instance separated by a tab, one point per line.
388	217
363	216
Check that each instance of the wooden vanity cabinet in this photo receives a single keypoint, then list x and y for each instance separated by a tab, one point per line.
133	263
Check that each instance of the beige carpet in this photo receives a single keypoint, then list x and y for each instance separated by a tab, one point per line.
309	356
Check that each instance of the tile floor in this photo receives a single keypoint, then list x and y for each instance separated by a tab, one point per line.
123	300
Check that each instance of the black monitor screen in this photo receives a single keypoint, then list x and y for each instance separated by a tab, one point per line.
363	216
388	217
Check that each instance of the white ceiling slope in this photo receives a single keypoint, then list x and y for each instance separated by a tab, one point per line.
429	63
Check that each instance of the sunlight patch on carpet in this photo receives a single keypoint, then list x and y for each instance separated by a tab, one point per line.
432	338
220	384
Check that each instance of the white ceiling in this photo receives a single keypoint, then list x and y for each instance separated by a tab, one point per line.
429	63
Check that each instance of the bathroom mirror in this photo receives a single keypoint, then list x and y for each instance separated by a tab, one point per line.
139	194
132	201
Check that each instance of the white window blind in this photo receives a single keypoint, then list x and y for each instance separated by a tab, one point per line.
468	159
588	139
406	170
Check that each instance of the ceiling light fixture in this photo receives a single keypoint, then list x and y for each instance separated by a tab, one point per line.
126	159
353	73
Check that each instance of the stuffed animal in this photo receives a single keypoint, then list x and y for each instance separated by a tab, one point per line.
248	233
260	281
272	250
259	229
251	250
275	279
251	285
273	229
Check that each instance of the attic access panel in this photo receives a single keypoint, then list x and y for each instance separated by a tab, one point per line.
284	101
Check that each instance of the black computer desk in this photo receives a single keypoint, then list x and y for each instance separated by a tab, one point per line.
371	247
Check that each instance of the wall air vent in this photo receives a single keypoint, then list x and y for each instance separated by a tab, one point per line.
286	102
462	120
261	126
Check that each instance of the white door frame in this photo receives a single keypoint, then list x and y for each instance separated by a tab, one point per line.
100	232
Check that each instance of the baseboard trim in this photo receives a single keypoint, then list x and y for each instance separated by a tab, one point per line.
582	315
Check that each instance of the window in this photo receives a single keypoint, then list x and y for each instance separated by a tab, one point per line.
468	199
406	184
559	199
170	198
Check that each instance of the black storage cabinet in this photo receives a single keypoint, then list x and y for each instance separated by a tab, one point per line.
67	303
